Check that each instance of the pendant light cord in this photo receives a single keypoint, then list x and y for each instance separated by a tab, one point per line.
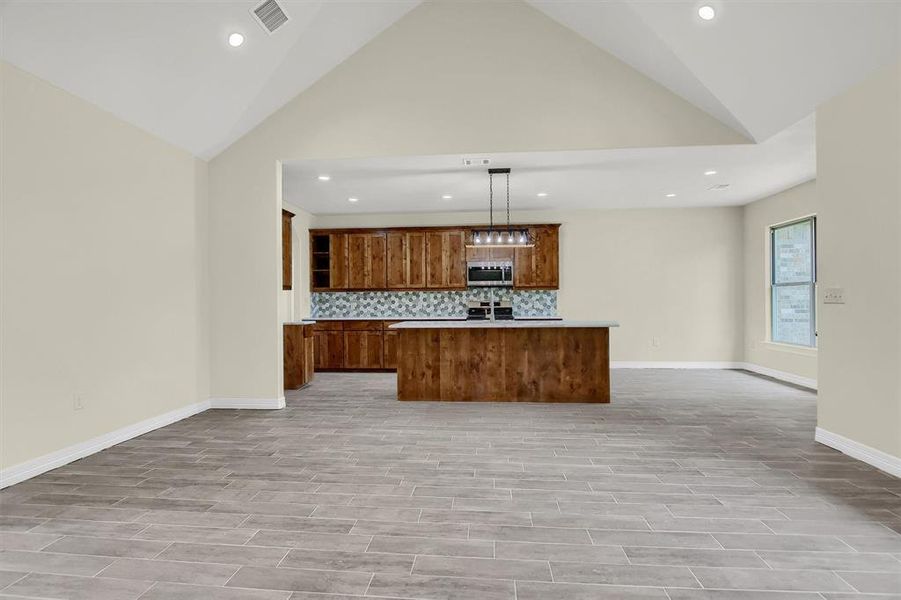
509	232
490	203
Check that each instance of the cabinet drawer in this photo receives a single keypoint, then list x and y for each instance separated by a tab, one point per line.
362	325
328	326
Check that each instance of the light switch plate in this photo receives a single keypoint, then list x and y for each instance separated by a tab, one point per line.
834	296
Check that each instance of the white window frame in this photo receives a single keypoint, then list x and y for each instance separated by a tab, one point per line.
773	285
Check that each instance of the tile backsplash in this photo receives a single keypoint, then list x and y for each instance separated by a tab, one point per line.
401	305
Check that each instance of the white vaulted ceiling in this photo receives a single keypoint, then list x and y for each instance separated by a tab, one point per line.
166	67
759	66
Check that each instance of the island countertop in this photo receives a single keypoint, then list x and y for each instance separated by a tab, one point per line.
512	324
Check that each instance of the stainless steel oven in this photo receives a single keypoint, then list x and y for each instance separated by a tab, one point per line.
489	273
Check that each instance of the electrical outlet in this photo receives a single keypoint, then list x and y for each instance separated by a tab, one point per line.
655	342
77	402
834	296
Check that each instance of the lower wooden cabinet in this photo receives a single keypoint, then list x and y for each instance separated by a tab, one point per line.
349	345
363	350
390	349
355	345
298	355
329	349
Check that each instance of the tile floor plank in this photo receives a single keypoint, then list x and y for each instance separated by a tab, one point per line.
688	478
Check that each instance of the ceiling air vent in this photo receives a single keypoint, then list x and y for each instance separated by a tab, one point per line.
476	162
270	15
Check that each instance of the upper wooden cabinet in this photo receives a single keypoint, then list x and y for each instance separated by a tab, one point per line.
537	267
366	254
488	253
422	258
340	275
445	259
406	261
287	264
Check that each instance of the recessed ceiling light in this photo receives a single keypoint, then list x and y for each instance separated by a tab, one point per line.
447	197
670	195
542	194
324	177
710	172
707	13
235	39
353	199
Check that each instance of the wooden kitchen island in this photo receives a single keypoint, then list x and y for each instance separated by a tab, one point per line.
504	361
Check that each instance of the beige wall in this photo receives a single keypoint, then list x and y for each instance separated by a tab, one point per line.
103	279
859	207
794	203
542	87
669	274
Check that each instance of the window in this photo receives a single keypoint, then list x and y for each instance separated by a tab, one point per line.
793	283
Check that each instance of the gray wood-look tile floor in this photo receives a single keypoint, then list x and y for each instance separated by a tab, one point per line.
692	485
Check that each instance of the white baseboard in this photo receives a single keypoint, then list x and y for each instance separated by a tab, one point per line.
873	457
248	403
662	364
780	375
42	464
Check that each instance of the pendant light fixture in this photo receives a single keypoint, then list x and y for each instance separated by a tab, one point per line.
499	237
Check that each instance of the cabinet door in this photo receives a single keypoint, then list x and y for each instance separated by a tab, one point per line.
396	261
455	259
436	276
338	266
524	267
363	350
501	253
377	260
445	260
366	261
390	353
358	264
538	266
329	349
547	257
287	258
293	356
478	254
416	260
309	353
406	260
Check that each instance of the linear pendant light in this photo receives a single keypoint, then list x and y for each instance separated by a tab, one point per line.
499	237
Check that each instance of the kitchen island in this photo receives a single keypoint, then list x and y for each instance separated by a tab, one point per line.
504	361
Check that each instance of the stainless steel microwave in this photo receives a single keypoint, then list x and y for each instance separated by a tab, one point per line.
489	273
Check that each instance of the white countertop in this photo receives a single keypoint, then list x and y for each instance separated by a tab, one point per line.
313	320
563	323
303	322
456	318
